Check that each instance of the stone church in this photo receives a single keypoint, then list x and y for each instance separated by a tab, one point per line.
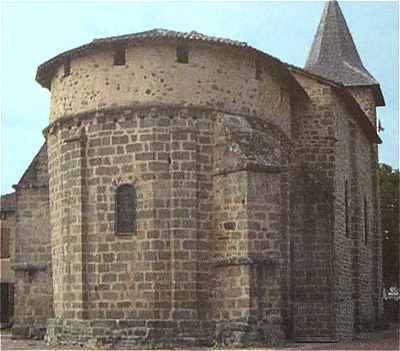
193	190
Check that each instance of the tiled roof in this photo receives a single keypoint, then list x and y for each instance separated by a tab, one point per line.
333	54
7	202
166	33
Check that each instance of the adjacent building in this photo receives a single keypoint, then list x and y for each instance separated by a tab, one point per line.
7	241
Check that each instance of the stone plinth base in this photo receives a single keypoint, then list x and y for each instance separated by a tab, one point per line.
243	333
19	331
163	334
130	333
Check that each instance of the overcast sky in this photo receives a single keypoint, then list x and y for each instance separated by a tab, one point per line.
33	32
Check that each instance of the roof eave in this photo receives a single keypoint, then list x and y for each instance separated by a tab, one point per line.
313	75
46	69
360	115
379	99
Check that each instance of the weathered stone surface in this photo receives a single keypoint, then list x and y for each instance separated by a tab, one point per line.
32	263
7	249
239	235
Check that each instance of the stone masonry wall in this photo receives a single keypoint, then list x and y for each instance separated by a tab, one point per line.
143	124
7	248
162	271
344	177
311	209
367	237
214	77
366	99
240	230
33	275
357	165
247	235
159	272
353	282
7	227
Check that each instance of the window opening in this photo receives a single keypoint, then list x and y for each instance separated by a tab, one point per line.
365	222
182	52
67	66
346	208
120	55
258	74
125	221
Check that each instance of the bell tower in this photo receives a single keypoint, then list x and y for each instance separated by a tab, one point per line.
334	56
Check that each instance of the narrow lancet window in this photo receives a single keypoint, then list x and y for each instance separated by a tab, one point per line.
125	209
346	208
365	222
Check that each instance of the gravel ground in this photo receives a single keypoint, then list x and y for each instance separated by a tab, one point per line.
386	340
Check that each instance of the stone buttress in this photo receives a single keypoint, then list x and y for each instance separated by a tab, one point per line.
195	191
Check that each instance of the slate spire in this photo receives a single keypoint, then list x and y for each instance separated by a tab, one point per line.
333	54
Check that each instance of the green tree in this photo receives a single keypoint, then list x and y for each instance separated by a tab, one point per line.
389	194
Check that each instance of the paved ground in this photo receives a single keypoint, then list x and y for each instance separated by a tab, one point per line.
386	340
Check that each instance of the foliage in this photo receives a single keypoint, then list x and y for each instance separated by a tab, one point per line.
389	197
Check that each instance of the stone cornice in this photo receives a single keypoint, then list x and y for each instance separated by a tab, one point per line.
141	110
153	110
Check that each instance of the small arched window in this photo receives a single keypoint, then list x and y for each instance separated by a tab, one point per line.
125	209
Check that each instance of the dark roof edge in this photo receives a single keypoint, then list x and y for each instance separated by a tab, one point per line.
379	99
360	115
349	100
313	75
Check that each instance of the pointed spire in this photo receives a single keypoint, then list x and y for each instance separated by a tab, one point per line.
333	54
